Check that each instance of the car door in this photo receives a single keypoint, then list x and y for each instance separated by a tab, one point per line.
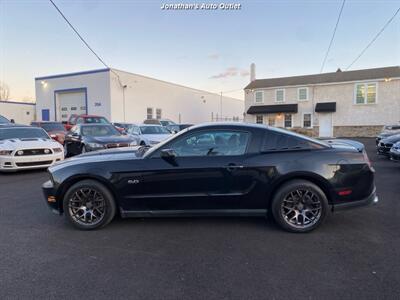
206	174
73	140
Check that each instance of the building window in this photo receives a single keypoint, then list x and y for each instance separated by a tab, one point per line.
271	121
149	113
279	95
259	97
365	93
288	121
302	94
158	113
260	119
307	120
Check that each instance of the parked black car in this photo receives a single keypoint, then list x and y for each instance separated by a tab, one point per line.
387	131
386	144
215	169
90	137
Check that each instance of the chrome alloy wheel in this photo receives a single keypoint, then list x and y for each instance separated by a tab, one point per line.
87	206
301	208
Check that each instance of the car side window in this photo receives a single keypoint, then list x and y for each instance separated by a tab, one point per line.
212	143
79	120
276	141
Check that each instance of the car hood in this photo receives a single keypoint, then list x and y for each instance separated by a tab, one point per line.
391	139
156	137
386	134
110	139
345	143
13	144
114	154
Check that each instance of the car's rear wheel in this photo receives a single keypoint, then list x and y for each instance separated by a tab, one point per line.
89	205
299	206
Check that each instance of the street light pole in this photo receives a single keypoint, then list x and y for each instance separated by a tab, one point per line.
220	107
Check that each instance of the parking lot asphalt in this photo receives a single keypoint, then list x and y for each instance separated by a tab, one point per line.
355	254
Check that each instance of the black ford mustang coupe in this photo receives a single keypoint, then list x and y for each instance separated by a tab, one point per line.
215	169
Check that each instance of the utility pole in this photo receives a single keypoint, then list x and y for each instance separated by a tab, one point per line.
220	107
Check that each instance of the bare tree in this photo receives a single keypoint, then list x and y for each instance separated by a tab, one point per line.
4	91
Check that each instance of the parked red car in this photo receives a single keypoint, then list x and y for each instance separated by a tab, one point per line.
56	130
84	119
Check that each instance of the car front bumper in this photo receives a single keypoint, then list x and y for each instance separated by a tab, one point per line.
15	163
372	199
50	197
395	155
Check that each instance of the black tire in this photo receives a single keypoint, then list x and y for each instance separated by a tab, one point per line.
97	202
142	143
310	206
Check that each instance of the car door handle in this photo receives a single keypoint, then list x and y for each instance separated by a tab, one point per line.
232	167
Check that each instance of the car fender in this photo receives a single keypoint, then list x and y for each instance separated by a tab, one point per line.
95	174
317	179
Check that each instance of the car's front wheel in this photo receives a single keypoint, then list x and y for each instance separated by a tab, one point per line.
299	206
89	205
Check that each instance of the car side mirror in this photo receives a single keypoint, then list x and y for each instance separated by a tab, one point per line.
168	153
12	121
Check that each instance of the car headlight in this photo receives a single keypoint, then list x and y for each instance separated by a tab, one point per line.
57	150
5	152
95	145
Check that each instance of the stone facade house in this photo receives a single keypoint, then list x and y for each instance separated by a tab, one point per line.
338	104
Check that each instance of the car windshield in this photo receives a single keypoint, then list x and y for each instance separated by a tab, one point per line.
23	133
153	130
4	120
99	130
92	120
52	126
166	123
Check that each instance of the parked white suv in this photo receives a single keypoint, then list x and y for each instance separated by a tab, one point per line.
25	147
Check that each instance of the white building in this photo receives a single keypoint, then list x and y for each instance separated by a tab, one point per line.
126	97
348	103
20	112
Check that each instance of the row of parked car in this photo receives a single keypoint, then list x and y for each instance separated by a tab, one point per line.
388	142
44	143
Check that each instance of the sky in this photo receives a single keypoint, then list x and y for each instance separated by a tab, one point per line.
210	50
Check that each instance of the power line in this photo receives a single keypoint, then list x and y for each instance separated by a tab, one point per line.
375	38
83	40
333	36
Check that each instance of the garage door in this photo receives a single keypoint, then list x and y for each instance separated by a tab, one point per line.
68	103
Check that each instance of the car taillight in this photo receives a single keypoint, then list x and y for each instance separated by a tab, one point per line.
366	158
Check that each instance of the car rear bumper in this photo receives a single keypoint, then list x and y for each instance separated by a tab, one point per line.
372	199
50	197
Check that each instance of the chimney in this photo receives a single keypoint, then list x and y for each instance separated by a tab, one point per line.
252	72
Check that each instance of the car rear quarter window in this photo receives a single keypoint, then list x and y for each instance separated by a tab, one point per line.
276	141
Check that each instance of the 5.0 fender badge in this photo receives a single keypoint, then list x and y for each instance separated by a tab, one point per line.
133	181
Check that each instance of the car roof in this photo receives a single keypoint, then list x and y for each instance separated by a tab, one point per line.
95	124
16	126
150	125
89	116
45	122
